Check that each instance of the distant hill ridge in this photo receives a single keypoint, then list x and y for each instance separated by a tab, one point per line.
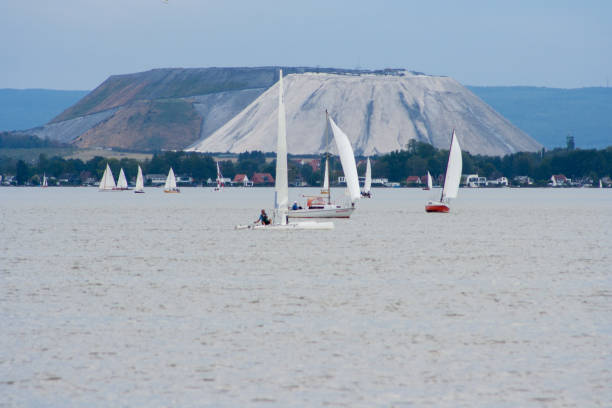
550	114
163	83
173	108
176	108
26	108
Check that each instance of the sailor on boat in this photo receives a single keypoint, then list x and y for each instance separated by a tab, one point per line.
263	218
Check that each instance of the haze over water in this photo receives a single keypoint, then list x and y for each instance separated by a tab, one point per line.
119	299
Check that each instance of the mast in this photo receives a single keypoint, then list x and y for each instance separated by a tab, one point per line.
281	185
327	156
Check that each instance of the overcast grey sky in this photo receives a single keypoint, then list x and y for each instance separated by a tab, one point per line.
77	44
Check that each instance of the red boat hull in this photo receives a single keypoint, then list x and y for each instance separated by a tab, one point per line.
441	208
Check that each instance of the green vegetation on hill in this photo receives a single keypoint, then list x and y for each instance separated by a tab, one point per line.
419	158
549	115
416	160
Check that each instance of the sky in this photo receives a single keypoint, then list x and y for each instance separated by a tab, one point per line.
77	44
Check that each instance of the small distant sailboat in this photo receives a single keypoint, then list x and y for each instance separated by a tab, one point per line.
451	180
281	186
600	184
107	183
122	181
220	184
429	182
367	185
317	207
139	182
170	186
45	183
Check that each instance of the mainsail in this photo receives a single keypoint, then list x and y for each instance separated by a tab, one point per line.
139	181
367	186
453	170
170	181
281	186
429	181
219	178
108	181
325	189
347	159
121	181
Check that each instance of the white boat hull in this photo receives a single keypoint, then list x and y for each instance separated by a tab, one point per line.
290	226
329	212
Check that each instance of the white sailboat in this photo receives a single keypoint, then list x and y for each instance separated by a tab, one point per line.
318	207
600	184
107	183
451	180
170	186
139	182
429	182
367	185
122	182
281	187
219	179
45	183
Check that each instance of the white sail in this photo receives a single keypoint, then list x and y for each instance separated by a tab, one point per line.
347	159
219	178
45	183
281	187
453	170
121	181
600	184
170	181
367	186
429	181
108	181
325	188
139	181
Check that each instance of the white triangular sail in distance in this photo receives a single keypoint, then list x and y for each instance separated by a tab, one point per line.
429	181
367	185
347	159
325	189
122	181
281	186
45	182
139	181
108	181
170	181
219	178
453	170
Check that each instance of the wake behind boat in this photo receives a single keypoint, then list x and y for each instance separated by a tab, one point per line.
451	180
279	221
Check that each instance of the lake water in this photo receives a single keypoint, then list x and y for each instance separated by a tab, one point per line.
122	299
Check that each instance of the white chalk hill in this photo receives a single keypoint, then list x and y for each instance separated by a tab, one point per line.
379	113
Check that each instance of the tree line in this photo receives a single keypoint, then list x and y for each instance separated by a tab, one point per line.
416	159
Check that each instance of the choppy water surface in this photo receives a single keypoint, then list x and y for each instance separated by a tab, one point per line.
119	299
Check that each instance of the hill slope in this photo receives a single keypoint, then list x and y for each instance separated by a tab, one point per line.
379	113
549	114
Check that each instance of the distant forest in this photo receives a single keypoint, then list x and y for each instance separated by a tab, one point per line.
415	160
